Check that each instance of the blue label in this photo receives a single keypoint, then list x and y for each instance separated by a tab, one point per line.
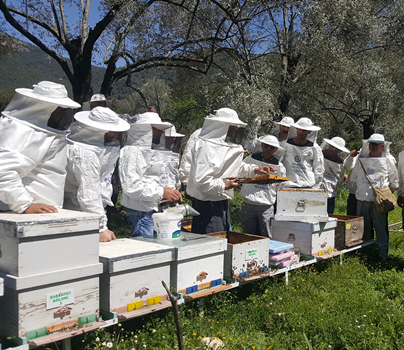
298	159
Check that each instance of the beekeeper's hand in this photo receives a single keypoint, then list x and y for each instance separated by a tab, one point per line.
107	236
39	208
172	194
354	153
231	183
400	201
264	170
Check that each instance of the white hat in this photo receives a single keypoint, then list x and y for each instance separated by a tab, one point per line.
338	142
151	118
375	138
49	92
270	140
102	118
286	121
305	124
97	97
172	132
226	115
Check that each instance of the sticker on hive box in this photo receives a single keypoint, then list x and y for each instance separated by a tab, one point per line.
57	299
251	254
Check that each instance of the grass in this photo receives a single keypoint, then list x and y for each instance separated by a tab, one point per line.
358	304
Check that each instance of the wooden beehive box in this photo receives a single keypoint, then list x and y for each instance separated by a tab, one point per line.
33	244
133	271
246	254
349	231
197	261
37	305
312	238
50	267
301	204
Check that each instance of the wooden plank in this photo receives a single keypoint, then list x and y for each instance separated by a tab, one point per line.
52	338
58	327
202	286
144	311
206	292
329	255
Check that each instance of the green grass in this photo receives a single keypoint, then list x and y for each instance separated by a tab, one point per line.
356	305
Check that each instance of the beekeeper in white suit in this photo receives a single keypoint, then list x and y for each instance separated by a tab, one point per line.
283	128
258	207
304	161
337	159
146	177
381	168
217	161
93	149
33	148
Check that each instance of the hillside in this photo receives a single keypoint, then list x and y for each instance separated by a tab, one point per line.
28	64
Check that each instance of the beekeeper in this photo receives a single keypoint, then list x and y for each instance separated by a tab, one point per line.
33	148
146	176
337	159
400	191
283	128
92	152
98	100
186	159
258	207
216	163
380	166
304	161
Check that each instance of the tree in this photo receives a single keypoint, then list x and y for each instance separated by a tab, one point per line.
141	32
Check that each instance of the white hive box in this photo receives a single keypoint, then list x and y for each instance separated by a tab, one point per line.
246	255
312	238
197	261
1	287
301	204
50	267
32	244
133	271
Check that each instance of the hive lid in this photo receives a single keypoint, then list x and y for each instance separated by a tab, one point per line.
190	245
64	221
125	254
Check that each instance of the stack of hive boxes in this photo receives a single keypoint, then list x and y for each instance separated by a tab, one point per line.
50	266
301	219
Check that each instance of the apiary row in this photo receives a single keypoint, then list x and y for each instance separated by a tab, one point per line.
58	277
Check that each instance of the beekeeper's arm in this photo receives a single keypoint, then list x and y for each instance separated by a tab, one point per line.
86	169
350	161
13	167
186	159
318	166
132	167
393	174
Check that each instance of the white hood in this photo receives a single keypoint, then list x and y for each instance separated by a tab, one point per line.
83	133
30	111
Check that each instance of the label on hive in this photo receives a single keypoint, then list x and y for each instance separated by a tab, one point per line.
251	254
59	298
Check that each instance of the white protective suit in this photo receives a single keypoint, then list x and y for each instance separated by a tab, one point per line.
145	172
263	194
90	166
213	160
382	172
32	155
186	159
334	172
400	191
304	165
